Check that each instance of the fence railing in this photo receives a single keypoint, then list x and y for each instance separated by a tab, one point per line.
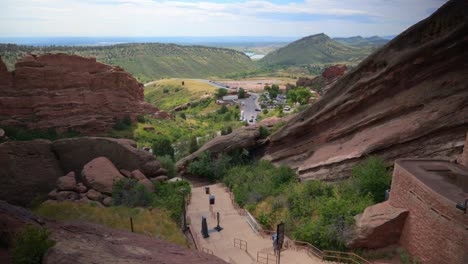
266	258
311	250
239	243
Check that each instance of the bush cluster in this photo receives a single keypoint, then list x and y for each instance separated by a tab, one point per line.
317	212
30	245
167	195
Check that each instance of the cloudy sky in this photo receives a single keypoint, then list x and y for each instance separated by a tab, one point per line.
210	17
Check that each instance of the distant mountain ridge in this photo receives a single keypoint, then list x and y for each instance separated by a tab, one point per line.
149	61
316	49
360	41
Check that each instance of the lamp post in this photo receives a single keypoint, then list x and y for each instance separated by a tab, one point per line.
184	227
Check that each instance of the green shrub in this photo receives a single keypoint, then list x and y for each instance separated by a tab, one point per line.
130	193
168	163
21	134
264	132
127	121
141	119
162	146
120	125
372	176
30	245
168	195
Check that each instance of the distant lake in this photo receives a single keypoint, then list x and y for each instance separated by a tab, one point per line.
253	55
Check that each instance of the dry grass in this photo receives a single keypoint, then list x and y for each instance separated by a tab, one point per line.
155	222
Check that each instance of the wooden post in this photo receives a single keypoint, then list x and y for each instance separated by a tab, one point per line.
131	224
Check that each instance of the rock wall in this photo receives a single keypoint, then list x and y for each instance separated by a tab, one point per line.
435	230
27	170
74	153
408	99
30	169
68	92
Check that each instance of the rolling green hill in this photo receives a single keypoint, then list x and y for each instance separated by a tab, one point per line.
360	41
316	49
149	61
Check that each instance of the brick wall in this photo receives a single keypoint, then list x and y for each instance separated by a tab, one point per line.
435	231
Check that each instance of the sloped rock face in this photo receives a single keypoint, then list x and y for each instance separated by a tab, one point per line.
380	225
27	170
68	92
244	137
409	99
31	169
74	153
82	242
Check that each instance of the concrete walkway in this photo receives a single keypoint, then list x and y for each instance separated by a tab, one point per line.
235	227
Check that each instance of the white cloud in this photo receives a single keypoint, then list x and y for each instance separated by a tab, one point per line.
173	18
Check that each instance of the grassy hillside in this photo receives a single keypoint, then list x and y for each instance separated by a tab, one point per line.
154	222
360	41
316	49
149	61
169	93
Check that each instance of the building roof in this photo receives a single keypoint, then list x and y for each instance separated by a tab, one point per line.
445	178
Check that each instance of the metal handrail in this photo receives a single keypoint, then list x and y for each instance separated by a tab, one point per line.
311	249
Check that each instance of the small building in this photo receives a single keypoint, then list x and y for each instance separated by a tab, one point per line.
230	97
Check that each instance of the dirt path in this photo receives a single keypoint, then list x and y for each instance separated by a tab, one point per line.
235	227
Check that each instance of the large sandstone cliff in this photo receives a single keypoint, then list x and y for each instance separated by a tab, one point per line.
409	99
68	92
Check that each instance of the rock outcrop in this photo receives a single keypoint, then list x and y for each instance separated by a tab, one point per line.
74	153
379	226
32	169
82	242
241	138
68	92
27	170
100	174
408	99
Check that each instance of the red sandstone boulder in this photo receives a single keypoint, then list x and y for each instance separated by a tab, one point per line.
67	182
100	174
68	92
94	195
126	173
334	72
80	188
107	201
160	178
380	225
67	196
143	180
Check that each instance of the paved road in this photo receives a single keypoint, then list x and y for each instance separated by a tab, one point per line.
235	226
247	105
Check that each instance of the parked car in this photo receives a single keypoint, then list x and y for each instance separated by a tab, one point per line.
258	110
287	108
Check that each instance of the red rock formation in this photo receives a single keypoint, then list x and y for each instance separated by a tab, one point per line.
68	92
81	242
334	72
409	99
380	225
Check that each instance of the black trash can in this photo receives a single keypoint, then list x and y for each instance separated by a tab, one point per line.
207	190
212	199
